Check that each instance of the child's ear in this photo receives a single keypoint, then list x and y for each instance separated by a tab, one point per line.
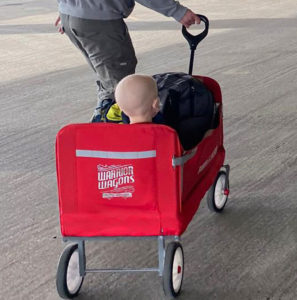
157	104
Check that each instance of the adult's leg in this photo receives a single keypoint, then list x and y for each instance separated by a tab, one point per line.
73	39
109	49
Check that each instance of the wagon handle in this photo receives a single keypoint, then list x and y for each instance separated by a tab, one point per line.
194	40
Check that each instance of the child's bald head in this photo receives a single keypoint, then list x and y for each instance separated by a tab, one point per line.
137	96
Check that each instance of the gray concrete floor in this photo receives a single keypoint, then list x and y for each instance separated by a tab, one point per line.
248	252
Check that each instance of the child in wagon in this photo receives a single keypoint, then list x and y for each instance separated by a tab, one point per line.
137	96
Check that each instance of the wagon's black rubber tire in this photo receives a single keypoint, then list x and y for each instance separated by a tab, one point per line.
215	202
174	254
61	277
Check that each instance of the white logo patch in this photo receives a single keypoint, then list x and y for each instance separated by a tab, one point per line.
115	181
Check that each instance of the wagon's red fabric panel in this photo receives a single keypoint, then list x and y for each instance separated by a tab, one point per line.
195	191
102	192
199	172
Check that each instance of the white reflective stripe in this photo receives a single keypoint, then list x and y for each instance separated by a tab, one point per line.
116	155
179	161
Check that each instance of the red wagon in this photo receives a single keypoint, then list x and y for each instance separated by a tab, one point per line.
129	181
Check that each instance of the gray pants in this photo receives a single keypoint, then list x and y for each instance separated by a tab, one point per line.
107	47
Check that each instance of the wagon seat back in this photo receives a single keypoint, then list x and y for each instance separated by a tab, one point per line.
118	180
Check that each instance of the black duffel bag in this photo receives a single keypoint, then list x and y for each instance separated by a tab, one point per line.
187	106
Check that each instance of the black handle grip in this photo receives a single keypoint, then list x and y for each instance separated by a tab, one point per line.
194	40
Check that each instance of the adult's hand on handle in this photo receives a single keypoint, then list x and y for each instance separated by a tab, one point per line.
189	19
59	25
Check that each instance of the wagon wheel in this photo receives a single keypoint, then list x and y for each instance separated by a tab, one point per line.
173	269
68	279
217	196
